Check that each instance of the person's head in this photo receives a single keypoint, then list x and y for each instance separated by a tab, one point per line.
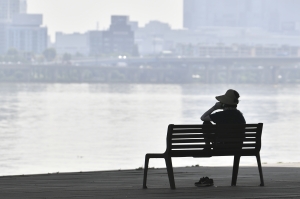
230	99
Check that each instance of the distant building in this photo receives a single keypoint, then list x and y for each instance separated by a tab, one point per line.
221	50
119	39
150	44
23	6
26	34
271	15
20	30
134	25
3	37
151	39
95	42
9	8
157	27
72	43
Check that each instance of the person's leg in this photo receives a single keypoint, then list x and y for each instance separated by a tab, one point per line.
206	138
205	181
207	123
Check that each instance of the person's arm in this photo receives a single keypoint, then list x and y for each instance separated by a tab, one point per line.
205	116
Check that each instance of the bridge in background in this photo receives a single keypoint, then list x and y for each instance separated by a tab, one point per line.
269	70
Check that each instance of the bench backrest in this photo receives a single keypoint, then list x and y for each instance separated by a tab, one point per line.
213	140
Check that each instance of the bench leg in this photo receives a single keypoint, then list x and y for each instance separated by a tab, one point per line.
170	172
235	169
145	172
260	170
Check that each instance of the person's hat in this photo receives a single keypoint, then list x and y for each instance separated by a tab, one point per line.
231	97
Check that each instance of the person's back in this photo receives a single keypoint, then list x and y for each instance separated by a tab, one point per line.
229	115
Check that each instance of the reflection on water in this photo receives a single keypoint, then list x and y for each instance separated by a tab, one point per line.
82	127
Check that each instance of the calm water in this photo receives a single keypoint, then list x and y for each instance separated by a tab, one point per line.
48	128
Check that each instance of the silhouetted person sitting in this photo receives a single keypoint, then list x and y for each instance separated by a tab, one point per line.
229	115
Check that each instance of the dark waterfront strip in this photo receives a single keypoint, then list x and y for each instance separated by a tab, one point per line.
177	71
280	182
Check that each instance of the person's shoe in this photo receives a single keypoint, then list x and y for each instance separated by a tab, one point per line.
204	182
201	181
209	182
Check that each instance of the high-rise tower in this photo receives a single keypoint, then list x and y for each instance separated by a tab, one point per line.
23	6
9	8
273	15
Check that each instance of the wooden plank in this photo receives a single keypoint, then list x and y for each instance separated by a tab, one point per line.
191	131
192	146
230	152
233	145
175	126
234	135
190	153
236	130
207	129
238	125
189	136
226	139
191	140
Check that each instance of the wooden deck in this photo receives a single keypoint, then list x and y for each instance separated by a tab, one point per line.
281	182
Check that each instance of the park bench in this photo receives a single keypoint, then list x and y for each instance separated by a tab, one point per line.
210	140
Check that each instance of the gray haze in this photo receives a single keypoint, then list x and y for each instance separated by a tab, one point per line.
201	28
83	82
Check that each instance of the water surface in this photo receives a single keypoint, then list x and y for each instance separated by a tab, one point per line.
47	128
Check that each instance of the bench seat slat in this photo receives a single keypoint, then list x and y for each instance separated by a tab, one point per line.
236	126
235	151
239	130
189	136
191	140
245	152
175	126
228	145
181	126
191	131
230	135
238	139
207	130
189	153
209	153
191	146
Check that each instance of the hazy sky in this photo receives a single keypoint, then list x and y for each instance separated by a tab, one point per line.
81	15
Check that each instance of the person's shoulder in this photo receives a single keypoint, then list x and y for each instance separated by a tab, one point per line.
234	111
239	111
218	113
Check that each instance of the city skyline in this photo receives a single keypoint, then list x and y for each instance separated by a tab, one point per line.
85	15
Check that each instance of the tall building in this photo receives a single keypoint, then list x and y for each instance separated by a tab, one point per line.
23	6
119	39
273	15
95	41
19	30
3	37
26	34
75	43
152	39
9	8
